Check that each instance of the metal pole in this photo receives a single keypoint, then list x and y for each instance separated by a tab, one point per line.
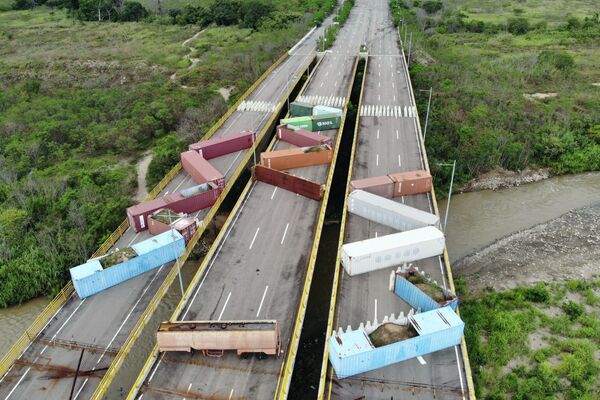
76	374
427	116
409	48
449	197
253	146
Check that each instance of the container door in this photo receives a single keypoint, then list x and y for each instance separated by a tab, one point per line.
142	222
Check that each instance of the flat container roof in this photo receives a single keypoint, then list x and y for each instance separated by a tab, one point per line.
148	206
392	206
392	241
178	326
87	269
154	242
353	342
435	320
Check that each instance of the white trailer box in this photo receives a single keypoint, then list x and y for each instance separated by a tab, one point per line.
392	250
322	110
388	212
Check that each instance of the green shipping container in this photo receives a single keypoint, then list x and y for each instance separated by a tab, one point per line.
299	109
300	122
326	122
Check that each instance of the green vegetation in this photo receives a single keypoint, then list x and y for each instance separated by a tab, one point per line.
495	68
80	102
326	42
539	342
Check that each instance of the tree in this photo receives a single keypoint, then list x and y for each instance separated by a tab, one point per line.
432	6
254	11
132	11
225	12
518	26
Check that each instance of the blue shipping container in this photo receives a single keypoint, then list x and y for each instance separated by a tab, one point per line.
416	298
352	353
91	278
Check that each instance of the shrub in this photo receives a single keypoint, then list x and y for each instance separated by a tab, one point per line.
518	26
558	59
573	310
537	294
432	6
132	11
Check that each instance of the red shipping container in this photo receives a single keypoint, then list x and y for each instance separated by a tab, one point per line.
297	157
289	182
157	223
200	169
380	185
216	147
300	137
187	201
411	182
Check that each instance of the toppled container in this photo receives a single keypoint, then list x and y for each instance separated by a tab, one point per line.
187	201
200	169
118	266
411	182
368	348
299	109
301	137
323	110
213	338
388	212
420	291
392	250
380	185
164	219
297	157
315	123
299	122
289	182
216	147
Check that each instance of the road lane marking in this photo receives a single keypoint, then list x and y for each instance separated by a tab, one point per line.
188	390
285	232
421	360
322	83
377	133
254	238
377	160
462	388
273	193
155	368
230	394
399	161
132	240
394	98
262	300
18	382
81	388
375	318
379	84
224	306
397	135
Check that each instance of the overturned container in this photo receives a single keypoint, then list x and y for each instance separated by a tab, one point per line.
118	266
286	181
301	137
388	212
392	250
411	182
300	109
420	291
326	122
324	110
200	169
380	185
219	146
164	219
297	157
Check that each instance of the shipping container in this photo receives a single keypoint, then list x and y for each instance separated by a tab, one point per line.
164	219
187	201
297	157
421	292
299	109
411	182
322	110
353	352
215	337
200	169
120	265
392	250
388	212
380	185
301	137
326	122
300	122
219	146
289	182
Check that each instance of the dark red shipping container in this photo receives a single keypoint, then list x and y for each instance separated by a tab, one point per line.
380	185
289	182
216	147
180	222
187	201
301	137
200	169
411	182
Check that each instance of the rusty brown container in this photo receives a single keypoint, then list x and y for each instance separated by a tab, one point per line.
380	185
411	182
297	158
300	137
200	169
214	337
289	182
163	220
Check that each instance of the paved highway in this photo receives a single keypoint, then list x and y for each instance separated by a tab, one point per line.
260	265
388	144
102	323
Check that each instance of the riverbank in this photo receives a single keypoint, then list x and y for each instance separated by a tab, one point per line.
561	249
500	178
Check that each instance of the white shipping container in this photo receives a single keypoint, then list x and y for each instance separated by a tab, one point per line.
392	250
388	212
322	110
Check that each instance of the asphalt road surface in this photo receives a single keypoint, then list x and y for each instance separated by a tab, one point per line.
101	323
389	144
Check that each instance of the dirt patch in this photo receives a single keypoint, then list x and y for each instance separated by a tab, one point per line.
562	249
391	333
226	92
500	178
520	361
142	170
539	96
536	339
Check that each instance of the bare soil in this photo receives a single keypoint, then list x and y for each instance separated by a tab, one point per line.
142	170
391	333
500	178
562	249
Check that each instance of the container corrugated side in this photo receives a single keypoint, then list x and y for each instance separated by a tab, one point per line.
299	109
388	212
326	122
413	295
300	122
324	110
380	185
220	146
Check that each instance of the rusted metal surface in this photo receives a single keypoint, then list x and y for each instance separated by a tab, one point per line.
289	182
411	182
440	391
73	345
297	157
60	371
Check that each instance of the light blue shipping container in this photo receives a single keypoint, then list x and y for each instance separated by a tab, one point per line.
416	297
91	278
352	353
321	110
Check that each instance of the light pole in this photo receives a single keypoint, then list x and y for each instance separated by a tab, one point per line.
427	115
177	261
453	165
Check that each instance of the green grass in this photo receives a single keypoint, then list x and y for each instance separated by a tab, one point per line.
539	342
